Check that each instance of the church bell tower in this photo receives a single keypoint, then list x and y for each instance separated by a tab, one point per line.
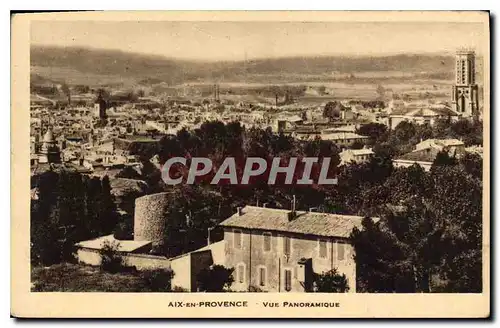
465	90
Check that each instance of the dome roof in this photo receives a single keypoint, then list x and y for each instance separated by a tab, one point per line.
49	136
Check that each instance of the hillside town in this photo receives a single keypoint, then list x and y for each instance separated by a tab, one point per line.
388	151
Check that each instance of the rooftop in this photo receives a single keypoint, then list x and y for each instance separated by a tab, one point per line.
425	111
308	223
342	136
123	245
362	151
443	142
424	155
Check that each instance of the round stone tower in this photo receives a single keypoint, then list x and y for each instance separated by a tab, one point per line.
150	217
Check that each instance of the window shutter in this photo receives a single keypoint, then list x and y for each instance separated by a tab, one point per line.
288	280
241	273
286	245
262	276
340	252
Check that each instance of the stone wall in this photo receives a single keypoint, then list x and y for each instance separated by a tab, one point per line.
140	261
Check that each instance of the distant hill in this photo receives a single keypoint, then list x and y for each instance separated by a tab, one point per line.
93	66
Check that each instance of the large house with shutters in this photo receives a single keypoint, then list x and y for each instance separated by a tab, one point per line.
278	250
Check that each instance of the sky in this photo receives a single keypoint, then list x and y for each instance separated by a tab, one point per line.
240	40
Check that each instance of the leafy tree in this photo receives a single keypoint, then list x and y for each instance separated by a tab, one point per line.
408	183
332	110
129	172
158	280
70	208
377	256
443	158
331	282
217	278
430	240
376	131
404	131
473	164
457	199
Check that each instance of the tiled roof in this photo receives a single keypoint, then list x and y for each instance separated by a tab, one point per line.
449	142
424	155
309	223
342	136
57	167
362	151
425	111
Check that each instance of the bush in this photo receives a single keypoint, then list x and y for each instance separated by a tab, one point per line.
111	260
217	278
129	173
331	282
124	231
158	280
177	289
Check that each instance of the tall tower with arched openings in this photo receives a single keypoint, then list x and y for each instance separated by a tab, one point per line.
464	95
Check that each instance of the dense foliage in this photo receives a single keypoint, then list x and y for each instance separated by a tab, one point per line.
331	282
216	278
70	208
429	236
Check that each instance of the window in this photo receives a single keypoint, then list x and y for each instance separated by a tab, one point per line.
323	251
240	273
262	276
340	252
267	241
287	247
237	239
288	280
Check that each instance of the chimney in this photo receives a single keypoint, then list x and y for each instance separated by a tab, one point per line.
240	212
264	205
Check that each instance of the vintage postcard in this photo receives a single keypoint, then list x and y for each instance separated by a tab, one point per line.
251	164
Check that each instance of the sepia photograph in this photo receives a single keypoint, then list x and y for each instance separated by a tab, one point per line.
328	157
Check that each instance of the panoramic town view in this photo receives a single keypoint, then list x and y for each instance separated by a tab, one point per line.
401	124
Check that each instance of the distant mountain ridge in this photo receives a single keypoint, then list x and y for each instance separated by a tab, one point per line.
140	67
